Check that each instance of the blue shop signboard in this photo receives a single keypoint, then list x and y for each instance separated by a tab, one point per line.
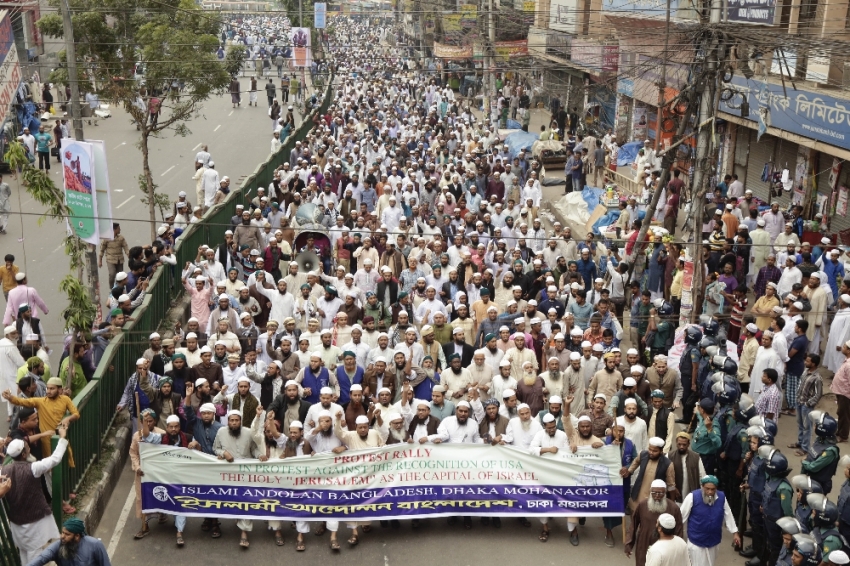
814	115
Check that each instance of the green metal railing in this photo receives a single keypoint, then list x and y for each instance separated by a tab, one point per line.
8	552
98	400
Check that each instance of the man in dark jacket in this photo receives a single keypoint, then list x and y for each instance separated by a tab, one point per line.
289	399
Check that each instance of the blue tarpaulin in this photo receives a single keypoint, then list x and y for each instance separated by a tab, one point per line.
628	153
518	141
606	220
593	198
513	124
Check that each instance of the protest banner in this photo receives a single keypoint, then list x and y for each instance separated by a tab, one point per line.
393	482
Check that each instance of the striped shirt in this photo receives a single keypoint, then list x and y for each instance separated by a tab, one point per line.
770	401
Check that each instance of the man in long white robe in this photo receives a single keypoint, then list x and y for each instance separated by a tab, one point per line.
522	429
839	332
766	357
669	550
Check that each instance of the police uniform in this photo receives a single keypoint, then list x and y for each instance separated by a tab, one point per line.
735	445
844	510
822	461
776	503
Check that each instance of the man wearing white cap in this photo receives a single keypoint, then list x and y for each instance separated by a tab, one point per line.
643	531
670	549
635	426
549	440
30	516
819	297
10	361
574	380
240	399
20	295
522	428
236	442
580	436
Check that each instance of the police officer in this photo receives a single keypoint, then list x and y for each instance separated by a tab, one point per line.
824	516
844	500
689	365
804	485
776	503
806	551
735	445
790	527
760	437
822	460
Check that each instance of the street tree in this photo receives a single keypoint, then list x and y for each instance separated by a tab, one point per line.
147	55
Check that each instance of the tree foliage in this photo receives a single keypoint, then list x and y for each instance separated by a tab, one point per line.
177	43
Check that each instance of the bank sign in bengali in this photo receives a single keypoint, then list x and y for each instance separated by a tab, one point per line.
399	481
813	115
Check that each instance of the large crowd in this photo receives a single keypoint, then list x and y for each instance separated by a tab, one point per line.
440	309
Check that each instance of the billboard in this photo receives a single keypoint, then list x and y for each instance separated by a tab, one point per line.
103	191
752	11
301	55
319	14
78	183
10	69
563	15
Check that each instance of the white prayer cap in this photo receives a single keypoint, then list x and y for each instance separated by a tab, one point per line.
290	382
760	222
600	396
657	442
520	320
629	382
315	355
632	352
356	387
555	399
560	336
660	358
576	331
463	404
839	557
362	419
207	408
205	350
243	379
326	391
845	298
296	424
457	330
552	289
324	413
597	347
798	305
584	418
382	389
380	359
139	362
200	381
236	412
816	274
667	521
548	418
15	448
504	364
153	336
658	483
637	368
522	406
575	356
504	329
630	401
586	344
423	403
751	327
508	393
172	419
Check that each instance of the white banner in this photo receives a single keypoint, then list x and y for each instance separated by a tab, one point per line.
103	192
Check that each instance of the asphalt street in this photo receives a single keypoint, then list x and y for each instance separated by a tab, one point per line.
238	139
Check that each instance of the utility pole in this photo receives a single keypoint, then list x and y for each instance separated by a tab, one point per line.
77	120
491	28
705	142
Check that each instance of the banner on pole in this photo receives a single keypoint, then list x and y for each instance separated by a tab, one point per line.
319	14
103	191
78	181
398	481
301	56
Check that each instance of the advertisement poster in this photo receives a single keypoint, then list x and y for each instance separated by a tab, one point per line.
396	481
103	191
79	185
841	203
639	123
301	55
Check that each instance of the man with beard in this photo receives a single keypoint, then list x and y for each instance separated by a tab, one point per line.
503	381
660	421
493	426
667	379
147	425
481	374
440	406
208	370
520	354
556	404
687	465
522	428
232	442
423	425
456	379
289	362
574	385
241	400
30	515
550	440
247	333
172	436
607	381
580	437
530	389
396	435
179	374
288	406
326	396
378	377
359	439
635	427
163	400
382	350
644	518
459	347
553	382
710	512
358	405
651	464
492	354
74	548
313	378
616	406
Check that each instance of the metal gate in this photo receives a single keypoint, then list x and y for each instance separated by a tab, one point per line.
8	551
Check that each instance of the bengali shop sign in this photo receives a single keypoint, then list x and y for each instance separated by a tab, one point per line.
399	481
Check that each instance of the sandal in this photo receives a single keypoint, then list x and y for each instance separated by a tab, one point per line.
180	542
799	453
353	540
163	518
544	536
321	530
243	542
216	531
143	532
206	525
367	528
278	538
300	546
334	544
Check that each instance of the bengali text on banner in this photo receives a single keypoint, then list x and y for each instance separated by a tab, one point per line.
398	481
